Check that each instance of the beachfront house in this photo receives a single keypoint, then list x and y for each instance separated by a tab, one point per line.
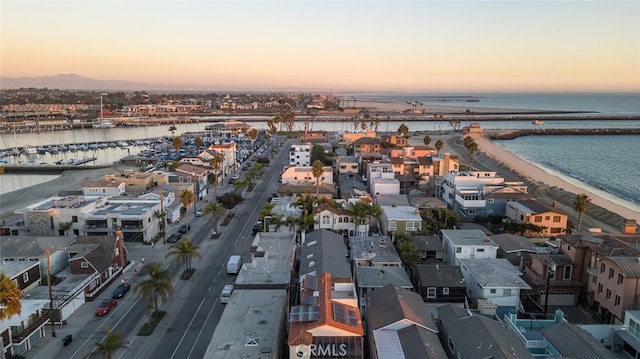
550	218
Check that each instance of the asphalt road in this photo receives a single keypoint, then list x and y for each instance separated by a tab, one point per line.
193	312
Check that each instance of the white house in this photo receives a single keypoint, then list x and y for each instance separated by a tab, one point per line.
300	155
496	280
103	187
467	243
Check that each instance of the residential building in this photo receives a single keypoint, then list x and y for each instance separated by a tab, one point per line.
373	252
400	218
552	219
516	249
366	145
326	321
303	175
135	218
440	283
429	247
369	279
102	255
467	243
495	280
323	251
196	175
616	283
465	335
49	217
629	334
346	165
553	275
300	155
314	136
229	152
566	340
22	331
399	326
228	128
334	218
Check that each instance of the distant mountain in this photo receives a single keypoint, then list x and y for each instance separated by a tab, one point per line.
76	82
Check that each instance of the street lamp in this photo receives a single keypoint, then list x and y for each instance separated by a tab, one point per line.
551	270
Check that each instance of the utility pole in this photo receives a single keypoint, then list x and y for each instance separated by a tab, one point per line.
53	325
163	219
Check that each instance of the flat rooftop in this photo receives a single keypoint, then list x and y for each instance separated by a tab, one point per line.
252	325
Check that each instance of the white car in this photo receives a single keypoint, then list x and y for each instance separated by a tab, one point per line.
199	213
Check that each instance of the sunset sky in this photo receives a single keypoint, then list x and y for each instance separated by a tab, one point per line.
431	46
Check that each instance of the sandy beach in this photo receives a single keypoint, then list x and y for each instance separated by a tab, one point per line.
536	173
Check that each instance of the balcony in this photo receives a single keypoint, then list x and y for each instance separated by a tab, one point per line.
22	335
467	203
592	271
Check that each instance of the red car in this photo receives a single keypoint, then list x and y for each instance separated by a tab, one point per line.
106	306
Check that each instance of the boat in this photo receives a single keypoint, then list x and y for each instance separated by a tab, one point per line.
104	124
537	122
30	150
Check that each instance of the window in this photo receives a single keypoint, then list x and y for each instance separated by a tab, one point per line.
492	291
84	265
489	210
326	219
556	219
74	219
506	292
610	273
602	267
555	230
537	219
479	249
458	249
567	272
546	218
608	293
620	278
431	292
599	287
392	225
472	211
445	291
617	302
490	200
25	277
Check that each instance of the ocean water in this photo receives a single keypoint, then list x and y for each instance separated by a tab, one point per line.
609	164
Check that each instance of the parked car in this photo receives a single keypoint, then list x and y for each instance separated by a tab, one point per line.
174	238
199	213
106	306
257	227
184	228
121	290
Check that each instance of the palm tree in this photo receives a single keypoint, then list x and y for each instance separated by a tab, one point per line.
112	342
373	211
306	221
357	211
580	205
291	223
160	216
317	170
186	198
216	162
471	146
436	219
253	135
198	141
426	140
216	209
66	226
157	285
10	296
439	144
239	184
184	250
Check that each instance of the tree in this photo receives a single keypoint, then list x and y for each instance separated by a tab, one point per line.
471	146
253	135
437	219
186	198
373	210
357	211
10	296
66	226
160	216
317	169
198	141
580	205
404	130
317	153
157	285
176	142
407	250
112	342
439	144
426	140
184	250
215	209
216	163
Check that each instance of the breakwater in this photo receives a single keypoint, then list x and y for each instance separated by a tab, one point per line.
47	169
510	135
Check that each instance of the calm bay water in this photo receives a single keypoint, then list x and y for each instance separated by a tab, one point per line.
610	164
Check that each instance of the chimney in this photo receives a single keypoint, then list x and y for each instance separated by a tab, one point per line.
554	204
630	227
